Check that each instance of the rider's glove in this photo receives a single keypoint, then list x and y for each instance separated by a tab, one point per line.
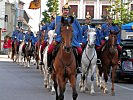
106	38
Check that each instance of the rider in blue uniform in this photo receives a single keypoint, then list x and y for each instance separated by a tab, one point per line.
106	28
21	35
77	36
88	25
15	35
29	36
44	31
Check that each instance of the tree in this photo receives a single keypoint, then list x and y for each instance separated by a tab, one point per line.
52	6
120	11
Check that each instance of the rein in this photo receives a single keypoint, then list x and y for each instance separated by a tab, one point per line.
89	60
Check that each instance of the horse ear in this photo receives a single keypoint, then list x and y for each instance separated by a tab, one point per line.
62	19
72	19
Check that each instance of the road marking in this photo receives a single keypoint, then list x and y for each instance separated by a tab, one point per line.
130	89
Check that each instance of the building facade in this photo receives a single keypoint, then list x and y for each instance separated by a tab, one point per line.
96	8
7	19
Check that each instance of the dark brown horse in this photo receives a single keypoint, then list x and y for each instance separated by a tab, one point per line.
14	49
109	58
65	64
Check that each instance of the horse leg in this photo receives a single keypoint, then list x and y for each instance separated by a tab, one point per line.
62	84
113	76
83	77
100	69
55	85
93	68
51	85
97	77
73	85
105	79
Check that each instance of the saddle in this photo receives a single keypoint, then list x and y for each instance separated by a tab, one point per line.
55	51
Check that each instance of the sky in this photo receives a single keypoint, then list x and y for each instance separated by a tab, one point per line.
35	14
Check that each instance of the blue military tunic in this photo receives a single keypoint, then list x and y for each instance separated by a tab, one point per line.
45	27
15	34
20	36
30	36
77	32
106	30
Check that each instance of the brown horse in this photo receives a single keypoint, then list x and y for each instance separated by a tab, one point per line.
14	49
109	58
65	63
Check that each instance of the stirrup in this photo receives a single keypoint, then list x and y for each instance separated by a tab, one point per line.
98	61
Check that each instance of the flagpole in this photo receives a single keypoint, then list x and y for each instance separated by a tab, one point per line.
40	15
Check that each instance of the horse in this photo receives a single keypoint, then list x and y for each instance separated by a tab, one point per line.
28	53
88	61
21	53
109	58
48	83
14	49
64	64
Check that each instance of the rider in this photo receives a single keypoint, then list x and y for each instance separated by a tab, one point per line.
15	35
77	37
29	36
21	35
85	28
106	30
44	31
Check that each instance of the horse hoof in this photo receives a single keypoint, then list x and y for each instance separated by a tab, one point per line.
113	93
52	92
92	93
106	91
86	89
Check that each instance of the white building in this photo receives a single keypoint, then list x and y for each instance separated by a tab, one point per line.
96	8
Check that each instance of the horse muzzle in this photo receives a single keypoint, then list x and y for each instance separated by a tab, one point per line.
67	48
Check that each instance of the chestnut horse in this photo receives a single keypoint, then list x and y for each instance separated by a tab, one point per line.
109	58
65	62
14	49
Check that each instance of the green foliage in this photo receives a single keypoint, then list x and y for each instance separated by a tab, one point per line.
52	6
120	12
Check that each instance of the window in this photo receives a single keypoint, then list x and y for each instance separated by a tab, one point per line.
131	7
104	10
90	9
74	8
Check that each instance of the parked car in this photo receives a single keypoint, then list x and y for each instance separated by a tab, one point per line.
125	70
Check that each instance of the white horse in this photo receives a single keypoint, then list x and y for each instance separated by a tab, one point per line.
89	59
20	54
48	82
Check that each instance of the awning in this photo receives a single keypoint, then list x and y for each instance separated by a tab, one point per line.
128	27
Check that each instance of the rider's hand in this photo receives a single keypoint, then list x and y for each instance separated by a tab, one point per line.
106	38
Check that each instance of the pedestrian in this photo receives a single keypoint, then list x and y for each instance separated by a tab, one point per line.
9	45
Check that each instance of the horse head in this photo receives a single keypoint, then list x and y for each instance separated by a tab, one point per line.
91	37
66	33
112	38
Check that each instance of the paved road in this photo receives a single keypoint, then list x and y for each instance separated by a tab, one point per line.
20	83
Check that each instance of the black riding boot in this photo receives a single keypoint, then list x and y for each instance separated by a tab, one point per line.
41	63
79	64
49	61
